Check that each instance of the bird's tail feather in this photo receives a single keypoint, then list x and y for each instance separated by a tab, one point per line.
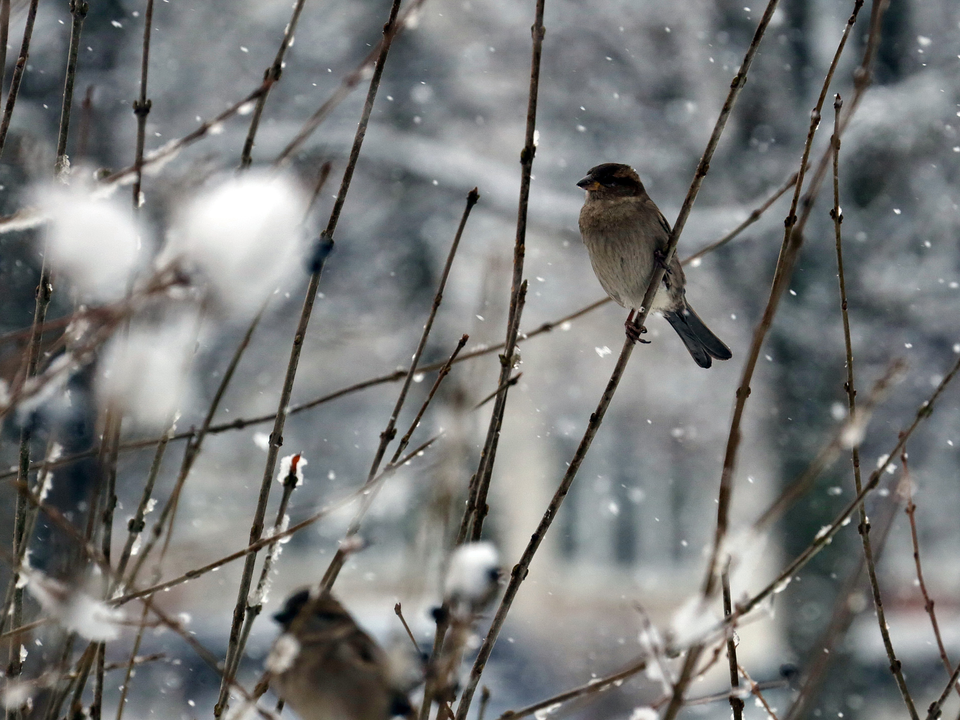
700	341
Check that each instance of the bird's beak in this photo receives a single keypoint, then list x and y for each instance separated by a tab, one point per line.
588	183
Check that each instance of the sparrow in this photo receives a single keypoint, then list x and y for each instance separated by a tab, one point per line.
626	237
326	668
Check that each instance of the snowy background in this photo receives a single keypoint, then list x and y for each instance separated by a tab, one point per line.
639	82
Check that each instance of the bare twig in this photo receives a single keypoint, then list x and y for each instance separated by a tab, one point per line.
756	691
175	146
850	429
271	74
517	284
736	702
825	535
372	61
141	108
167	515
276	437
822	651
790	248
520	570
264	542
255	603
594	686
751	219
911	511
136	524
17	74
336	564
864	525
390	432
78	9
399	612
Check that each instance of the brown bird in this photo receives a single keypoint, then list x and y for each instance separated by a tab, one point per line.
626	237
326	668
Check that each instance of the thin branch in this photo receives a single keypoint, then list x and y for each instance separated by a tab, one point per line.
17	74
78	9
911	511
271	74
789	250
141	109
136	524
175	146
521	569
167	515
255	603
336	564
825	535
590	688
844	435
25	527
736	702
751	219
389	433
372	61
399	613
517	284
755	690
864	526
264	542
822	651
276	437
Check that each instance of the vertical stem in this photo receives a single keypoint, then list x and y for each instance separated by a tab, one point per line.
736	702
18	74
141	106
864	526
78	9
270	76
520	570
276	436
4	37
485	470
43	294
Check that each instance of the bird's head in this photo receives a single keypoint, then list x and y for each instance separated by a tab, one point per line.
612	180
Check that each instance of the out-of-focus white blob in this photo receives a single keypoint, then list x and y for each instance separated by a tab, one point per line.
244	236
644	713
691	622
473	578
74	609
94	242
245	709
294	463
746	552
16	694
855	429
145	373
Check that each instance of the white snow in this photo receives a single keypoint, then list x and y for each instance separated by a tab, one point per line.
243	236
93	242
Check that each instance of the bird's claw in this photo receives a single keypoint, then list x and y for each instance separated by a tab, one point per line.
660	257
634	333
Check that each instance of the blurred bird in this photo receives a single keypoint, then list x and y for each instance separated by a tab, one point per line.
626	236
326	668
